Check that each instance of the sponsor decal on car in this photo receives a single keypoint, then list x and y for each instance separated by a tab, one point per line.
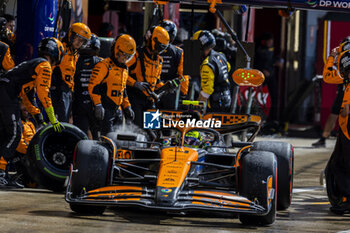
165	190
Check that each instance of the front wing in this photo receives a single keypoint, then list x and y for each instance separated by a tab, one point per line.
219	201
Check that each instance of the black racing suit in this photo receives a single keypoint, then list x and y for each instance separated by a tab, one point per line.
215	82
82	107
172	68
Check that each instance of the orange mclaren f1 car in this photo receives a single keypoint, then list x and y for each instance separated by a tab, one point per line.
253	179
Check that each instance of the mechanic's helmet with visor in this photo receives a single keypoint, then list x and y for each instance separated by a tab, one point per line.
159	40
123	48
193	139
170	27
346	39
344	65
206	39
92	47
344	46
79	30
53	48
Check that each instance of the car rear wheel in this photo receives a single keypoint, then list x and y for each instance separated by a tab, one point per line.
285	160
91	163
257	169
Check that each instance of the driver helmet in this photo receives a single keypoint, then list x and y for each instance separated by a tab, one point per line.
193	139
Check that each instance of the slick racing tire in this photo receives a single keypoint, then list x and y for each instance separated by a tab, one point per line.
91	165
50	155
285	159
333	193
257	167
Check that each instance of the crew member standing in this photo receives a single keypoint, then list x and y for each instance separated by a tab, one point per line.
34	73
82	107
107	86
331	74
173	58
144	70
339	163
63	75
214	72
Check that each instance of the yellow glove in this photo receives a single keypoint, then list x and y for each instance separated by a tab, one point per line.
57	126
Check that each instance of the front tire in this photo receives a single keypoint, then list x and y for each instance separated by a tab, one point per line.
256	168
91	162
285	160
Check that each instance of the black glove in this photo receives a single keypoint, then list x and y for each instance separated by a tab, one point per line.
99	112
39	120
129	114
142	86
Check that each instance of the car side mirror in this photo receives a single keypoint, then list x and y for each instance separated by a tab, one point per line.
248	77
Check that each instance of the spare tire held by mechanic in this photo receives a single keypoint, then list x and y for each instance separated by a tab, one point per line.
35	72
108	82
214	72
339	163
50	155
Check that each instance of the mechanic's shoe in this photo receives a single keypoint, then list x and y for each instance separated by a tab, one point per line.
342	208
8	180
8	183
320	143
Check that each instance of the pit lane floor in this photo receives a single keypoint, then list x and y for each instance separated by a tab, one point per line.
34	210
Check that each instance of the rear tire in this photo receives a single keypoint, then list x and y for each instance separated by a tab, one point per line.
50	155
92	161
285	160
256	167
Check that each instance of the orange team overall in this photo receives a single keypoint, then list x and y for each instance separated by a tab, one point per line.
144	70
63	74
107	85
339	163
